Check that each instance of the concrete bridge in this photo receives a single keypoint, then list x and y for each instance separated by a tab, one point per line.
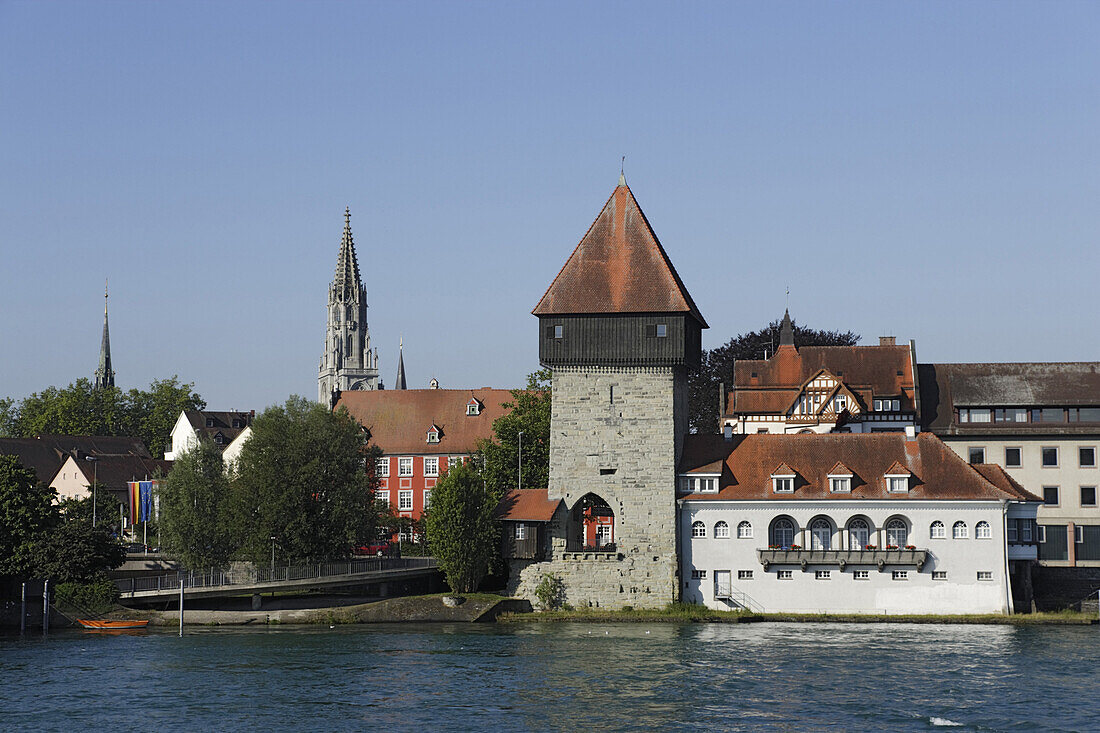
286	579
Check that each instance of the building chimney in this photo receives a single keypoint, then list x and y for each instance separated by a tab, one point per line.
910	432
887	340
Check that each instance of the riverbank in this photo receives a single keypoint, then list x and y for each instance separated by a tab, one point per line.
477	607
680	613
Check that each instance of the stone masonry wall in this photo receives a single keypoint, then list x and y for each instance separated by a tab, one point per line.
617	433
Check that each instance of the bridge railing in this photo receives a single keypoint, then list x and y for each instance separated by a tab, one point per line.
285	573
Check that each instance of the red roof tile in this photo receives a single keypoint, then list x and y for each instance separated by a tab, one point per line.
997	476
869	371
618	267
398	420
937	471
527	505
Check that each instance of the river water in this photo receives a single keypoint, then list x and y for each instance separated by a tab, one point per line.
561	676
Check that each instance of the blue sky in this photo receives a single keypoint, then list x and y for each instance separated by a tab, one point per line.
927	170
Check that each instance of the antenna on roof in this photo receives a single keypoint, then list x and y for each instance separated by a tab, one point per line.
622	173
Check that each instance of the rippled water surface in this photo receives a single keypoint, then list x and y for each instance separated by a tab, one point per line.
566	676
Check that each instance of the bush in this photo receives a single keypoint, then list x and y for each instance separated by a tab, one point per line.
550	592
94	596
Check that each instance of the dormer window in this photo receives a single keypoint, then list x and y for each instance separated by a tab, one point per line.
699	484
209	422
433	434
840	484
897	479
238	423
473	407
783	479
219	439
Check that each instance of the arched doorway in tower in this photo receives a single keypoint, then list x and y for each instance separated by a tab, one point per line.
593	525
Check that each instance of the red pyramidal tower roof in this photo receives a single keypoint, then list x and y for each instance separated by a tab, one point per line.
618	267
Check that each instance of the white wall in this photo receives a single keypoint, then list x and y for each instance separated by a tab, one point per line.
69	483
962	592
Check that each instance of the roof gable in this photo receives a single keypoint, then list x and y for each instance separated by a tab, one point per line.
619	266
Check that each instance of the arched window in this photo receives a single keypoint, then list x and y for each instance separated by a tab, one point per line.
721	531
897	534
782	534
821	534
744	531
937	531
698	529
959	531
982	531
859	534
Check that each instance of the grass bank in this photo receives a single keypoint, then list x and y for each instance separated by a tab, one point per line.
700	614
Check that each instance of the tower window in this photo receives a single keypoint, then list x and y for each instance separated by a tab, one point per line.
557	332
662	330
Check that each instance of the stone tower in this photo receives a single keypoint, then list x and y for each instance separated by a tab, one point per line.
347	363
618	330
105	373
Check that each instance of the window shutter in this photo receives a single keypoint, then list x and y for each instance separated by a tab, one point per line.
651	330
549	332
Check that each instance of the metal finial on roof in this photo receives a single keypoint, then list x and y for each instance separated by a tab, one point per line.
622	174
347	215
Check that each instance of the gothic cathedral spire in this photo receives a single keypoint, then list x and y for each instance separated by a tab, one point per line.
400	383
104	373
347	362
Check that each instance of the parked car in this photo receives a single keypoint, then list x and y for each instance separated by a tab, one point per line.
136	548
378	549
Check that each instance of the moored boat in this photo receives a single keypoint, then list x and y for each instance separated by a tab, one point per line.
106	625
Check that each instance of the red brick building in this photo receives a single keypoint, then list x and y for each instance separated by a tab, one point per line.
422	432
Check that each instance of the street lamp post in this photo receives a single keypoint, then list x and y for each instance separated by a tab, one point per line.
273	557
519	462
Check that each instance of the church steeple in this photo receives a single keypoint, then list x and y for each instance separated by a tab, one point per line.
104	373
347	362
786	330
400	383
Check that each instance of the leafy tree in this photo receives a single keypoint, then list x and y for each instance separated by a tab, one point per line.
462	532
530	412
195	509
301	479
27	516
75	551
7	417
151	414
106	508
80	409
716	366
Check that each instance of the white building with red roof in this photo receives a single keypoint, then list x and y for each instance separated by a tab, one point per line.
887	523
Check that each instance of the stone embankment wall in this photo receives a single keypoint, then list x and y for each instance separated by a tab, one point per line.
1061	588
615	433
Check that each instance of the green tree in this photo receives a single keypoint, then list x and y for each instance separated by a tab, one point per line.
195	509
462	532
529	412
75	551
716	366
150	414
80	409
27	516
301	479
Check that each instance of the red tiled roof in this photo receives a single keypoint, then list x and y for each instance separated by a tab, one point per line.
997	476
527	505
46	453
866	370
618	267
113	472
398	419
937	471
840	470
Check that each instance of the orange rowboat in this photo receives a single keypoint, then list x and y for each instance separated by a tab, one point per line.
111	625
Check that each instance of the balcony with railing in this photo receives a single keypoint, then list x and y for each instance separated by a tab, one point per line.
902	556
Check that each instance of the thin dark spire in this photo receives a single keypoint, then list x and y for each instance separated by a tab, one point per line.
400	382
105	373
786	330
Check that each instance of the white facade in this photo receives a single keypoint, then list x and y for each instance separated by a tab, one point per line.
961	574
185	437
70	482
